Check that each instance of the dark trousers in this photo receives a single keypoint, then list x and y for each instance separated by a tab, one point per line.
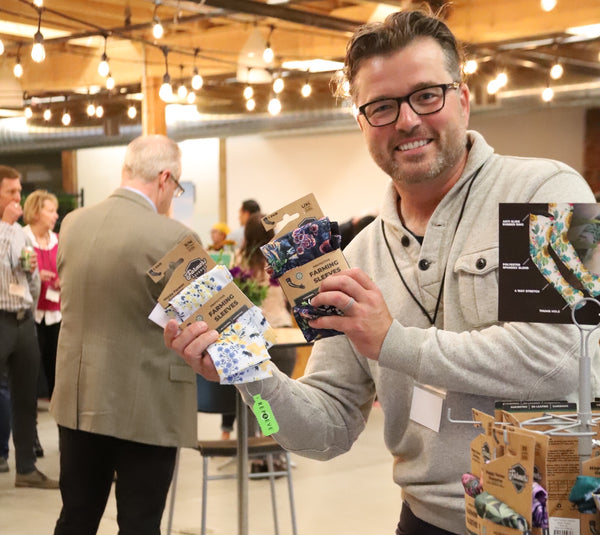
88	463
48	341
20	363
411	525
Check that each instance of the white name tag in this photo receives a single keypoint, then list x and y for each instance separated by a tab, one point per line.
52	295
18	290
427	405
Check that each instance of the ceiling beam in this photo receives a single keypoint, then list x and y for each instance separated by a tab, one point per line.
252	7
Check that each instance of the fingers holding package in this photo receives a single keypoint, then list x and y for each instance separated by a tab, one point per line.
190	344
365	318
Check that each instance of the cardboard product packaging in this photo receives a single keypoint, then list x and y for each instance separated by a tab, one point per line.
504	458
302	283
187	261
562	462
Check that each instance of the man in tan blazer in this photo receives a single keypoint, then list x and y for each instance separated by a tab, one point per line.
122	401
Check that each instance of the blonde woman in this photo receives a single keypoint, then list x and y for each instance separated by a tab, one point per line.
40	212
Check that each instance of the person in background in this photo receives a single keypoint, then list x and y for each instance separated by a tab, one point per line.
40	212
123	402
19	351
248	207
420	304
218	236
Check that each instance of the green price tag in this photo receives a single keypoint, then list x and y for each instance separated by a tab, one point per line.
266	420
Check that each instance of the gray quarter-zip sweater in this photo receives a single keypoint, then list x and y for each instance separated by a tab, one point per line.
468	353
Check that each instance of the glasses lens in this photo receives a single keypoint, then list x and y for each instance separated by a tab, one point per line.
381	112
428	100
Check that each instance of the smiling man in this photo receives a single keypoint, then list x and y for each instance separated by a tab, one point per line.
420	304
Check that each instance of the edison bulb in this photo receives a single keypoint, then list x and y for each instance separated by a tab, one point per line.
1	47
99	111
157	30
18	70
470	66
191	97
274	106
547	94
47	114
66	119
548	5
28	112
248	92
182	91
502	79
493	86
556	71
250	104
268	55
278	85
197	82
90	110
306	90
38	53
165	92
131	112
103	68
110	82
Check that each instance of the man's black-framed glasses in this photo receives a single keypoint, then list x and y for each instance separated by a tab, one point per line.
424	101
179	191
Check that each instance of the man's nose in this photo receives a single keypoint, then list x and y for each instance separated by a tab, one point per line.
407	118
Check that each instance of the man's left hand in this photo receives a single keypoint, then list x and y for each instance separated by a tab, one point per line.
366	318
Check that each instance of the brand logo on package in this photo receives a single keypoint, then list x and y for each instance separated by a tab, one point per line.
195	268
517	475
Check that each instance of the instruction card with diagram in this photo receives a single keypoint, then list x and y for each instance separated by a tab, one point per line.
549	262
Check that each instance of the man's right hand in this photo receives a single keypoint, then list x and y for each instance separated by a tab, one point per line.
191	344
12	212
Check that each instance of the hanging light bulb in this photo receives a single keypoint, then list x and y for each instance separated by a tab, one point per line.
1	47
28	112
250	104
110	82
197	81
278	85
66	118
17	69
157	30
166	91
181	90
91	109
548	5
306	90
47	114
38	53
268	53
191	97
99	111
470	66
556	71
493	86
274	106
502	79
103	67
131	112
547	94
38	3
248	92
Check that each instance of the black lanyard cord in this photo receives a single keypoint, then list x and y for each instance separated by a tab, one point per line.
439	297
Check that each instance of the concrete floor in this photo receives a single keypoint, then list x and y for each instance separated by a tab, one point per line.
350	495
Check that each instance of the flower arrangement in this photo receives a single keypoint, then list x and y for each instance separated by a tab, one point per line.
254	290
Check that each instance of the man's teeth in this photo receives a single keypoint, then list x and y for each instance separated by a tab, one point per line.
413	145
